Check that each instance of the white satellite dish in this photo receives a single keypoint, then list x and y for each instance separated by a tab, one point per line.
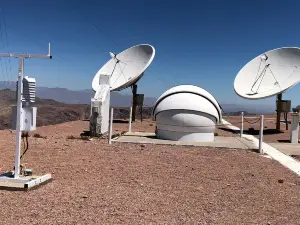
269	74
126	68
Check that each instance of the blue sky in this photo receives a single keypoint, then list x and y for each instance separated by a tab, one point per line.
204	43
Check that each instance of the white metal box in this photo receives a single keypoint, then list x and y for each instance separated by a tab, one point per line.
28	118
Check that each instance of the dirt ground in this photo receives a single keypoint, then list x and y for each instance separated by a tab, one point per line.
270	132
97	183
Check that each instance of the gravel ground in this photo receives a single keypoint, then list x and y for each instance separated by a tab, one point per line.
270	132
97	183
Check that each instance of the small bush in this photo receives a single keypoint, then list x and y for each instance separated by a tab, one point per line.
82	137
115	135
86	138
37	135
71	137
216	134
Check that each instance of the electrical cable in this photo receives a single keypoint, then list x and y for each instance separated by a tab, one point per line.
117	44
26	145
94	25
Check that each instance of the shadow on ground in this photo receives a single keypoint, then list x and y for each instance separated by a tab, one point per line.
284	141
266	131
120	121
229	130
253	131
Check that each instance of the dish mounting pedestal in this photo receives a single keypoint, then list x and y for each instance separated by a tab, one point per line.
99	116
134	101
279	98
282	106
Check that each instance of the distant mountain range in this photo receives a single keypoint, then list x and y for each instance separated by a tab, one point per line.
250	108
68	96
49	111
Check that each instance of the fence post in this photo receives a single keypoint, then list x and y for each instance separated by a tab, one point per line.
130	120
242	125
261	132
110	125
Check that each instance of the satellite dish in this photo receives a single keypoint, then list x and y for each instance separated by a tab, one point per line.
127	67
269	74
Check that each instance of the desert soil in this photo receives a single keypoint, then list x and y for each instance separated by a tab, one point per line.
270	132
97	183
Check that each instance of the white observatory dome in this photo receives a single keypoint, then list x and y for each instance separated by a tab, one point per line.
186	113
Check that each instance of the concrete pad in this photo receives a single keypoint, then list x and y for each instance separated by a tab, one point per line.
287	148
220	142
140	134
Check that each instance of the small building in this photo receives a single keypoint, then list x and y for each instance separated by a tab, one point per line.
186	113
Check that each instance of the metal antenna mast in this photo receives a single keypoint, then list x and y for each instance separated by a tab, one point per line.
21	58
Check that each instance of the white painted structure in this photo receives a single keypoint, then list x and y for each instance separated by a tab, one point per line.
121	71
186	113
294	128
26	95
100	106
269	74
127	67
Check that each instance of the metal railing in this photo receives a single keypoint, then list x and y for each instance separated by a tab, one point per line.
110	131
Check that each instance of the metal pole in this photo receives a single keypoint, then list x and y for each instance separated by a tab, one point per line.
19	117
261	132
110	125
278	110
134	103
130	120
242	125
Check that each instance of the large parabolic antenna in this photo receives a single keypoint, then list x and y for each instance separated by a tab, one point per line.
121	71
269	74
126	68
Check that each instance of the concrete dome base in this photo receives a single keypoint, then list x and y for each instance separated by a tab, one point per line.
185	125
184	136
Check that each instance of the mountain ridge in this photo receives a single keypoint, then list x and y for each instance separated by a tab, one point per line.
68	96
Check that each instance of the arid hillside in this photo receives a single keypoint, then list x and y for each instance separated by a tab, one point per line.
50	112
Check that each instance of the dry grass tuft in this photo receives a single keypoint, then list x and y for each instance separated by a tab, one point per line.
37	135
